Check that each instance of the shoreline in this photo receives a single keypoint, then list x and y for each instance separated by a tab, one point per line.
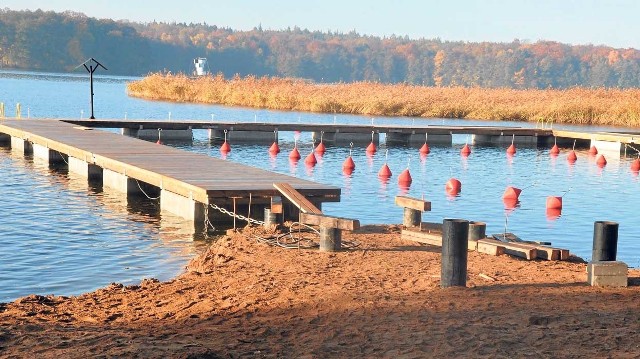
241	298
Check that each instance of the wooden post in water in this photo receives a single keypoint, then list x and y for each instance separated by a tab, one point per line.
455	233
605	241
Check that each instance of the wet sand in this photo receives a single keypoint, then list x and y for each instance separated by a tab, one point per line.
244	299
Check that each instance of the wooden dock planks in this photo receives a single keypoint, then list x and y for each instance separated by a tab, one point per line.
192	175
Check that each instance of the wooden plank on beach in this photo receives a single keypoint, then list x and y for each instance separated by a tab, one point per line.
431	238
544	249
330	221
413	203
296	198
514	249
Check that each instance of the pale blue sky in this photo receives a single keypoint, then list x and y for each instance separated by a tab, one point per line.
609	22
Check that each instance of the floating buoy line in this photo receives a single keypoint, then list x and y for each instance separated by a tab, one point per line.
453	186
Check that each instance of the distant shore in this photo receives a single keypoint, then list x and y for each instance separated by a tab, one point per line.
580	106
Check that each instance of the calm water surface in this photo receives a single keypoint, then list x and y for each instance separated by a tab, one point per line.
62	236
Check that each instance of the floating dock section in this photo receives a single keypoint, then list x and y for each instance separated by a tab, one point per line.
188	184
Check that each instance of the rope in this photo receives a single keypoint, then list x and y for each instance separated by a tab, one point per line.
302	237
61	156
145	193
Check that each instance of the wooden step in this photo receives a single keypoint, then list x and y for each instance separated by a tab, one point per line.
296	198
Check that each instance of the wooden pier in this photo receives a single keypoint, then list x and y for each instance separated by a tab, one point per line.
188	184
412	135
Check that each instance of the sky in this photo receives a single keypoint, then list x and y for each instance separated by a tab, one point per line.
599	22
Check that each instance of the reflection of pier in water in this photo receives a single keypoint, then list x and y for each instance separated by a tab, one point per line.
173	231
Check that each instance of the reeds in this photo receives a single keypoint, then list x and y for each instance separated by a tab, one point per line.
584	106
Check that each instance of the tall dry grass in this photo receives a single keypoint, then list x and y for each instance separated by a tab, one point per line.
576	106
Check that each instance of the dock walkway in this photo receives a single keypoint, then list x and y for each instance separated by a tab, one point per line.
412	135
182	179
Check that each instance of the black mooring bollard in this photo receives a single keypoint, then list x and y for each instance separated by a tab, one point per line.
455	234
605	241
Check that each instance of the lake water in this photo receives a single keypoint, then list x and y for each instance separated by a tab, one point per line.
62	236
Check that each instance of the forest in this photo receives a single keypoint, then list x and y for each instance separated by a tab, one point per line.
58	42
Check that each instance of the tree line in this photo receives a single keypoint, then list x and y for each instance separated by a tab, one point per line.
50	41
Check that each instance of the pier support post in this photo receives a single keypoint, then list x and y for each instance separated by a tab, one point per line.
605	241
47	155
252	137
5	140
345	138
503	140
611	147
21	146
182	206
85	169
270	218
151	134
120	182
455	233
417	139
330	239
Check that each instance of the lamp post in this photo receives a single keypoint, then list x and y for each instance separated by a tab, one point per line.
91	65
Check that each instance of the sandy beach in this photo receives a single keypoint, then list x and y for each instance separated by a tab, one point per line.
245	299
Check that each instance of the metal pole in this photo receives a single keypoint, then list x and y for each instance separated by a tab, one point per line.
605	241
455	233
91	70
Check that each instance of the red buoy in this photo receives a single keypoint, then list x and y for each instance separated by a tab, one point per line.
635	165
554	150
511	150
349	164
371	149
554	202
511	193
225	148
593	151
425	150
320	149
385	171
294	154
510	203
347	171
311	159
274	149
465	151
572	157
553	213
404	179
601	161
453	186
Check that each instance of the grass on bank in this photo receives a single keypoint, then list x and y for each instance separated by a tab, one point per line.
574	106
